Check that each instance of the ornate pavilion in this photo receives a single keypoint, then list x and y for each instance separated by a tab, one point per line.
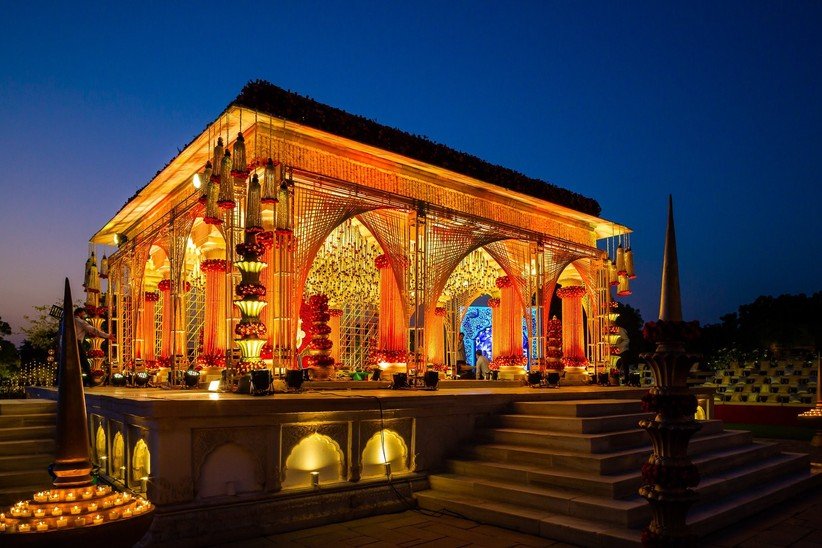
289	232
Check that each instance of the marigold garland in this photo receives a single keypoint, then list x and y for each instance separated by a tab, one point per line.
494	302
152	297
507	361
439	311
382	261
213	265
504	281
571	291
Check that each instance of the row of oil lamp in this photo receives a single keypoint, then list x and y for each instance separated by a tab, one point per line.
67	515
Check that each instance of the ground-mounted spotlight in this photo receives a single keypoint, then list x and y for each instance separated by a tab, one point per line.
400	381
191	378
315	479
552	379
375	375
214	386
118	379
534	378
294	379
261	382
431	379
141	378
387	469
602	379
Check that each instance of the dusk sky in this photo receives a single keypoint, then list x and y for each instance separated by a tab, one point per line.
718	103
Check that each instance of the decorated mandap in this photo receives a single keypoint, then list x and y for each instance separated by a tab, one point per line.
290	234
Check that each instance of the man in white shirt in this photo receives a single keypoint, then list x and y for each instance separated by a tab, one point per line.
483	366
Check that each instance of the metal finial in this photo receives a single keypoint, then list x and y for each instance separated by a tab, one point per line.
72	466
670	301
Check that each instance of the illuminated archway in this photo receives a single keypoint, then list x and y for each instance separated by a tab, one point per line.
140	461
100	444
386	446
314	453
118	452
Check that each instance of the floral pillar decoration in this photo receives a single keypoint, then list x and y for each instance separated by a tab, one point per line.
166	330
147	320
435	341
391	343
573	334
553	345
335	315
213	354
669	475
96	316
266	238
319	349
508	356
250	331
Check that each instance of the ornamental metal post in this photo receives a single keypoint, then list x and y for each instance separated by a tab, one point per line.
669	474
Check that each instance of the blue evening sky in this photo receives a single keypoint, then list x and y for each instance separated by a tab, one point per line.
715	102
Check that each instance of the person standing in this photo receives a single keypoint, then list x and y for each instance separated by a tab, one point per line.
83	329
483	366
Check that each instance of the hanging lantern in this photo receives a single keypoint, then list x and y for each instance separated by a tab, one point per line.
93	276
624	287
239	168
283	207
104	267
212	212
613	279
87	271
253	217
225	200
217	159
271	176
207	178
629	264
620	261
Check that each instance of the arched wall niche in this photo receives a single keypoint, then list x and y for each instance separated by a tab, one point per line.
140	461
385	446
100	444
228	470
118	453
314	453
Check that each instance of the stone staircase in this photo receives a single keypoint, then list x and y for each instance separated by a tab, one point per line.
569	470
27	429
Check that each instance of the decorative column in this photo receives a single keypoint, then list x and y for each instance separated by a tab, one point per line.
147	327
334	322
508	357
435	342
284	328
166	329
319	349
573	335
496	331
266	238
669	474
392	356
212	357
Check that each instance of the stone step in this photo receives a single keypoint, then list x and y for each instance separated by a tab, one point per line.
608	463
578	408
581	425
33	419
26	462
732	480
716	514
22	478
567	441
626	512
27	447
22	407
27	433
613	486
704	519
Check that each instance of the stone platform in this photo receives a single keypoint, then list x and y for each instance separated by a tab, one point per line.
248	459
